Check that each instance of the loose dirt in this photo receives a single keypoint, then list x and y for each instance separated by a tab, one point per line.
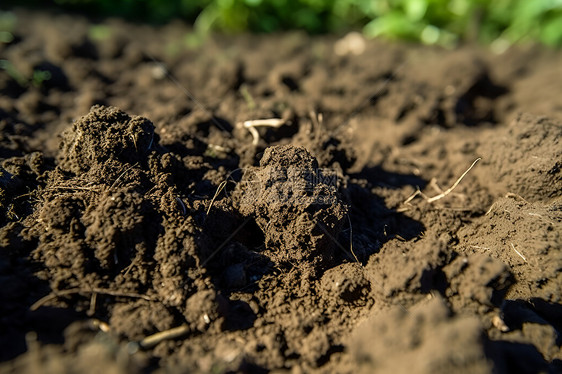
145	227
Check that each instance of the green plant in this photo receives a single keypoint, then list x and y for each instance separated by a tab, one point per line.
37	78
99	32
11	70
7	25
443	22
40	76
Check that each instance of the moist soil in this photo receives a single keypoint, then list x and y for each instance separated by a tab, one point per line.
146	226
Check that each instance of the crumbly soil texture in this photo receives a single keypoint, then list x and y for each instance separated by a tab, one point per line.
276	203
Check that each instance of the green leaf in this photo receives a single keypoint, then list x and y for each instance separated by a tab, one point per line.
551	33
416	9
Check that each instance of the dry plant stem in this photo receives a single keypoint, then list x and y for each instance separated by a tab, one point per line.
219	189
173	333
412	197
94	290
122	174
93	301
442	194
450	189
351	240
251	126
519	253
92	189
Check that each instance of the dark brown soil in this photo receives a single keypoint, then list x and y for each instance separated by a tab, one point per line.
136	202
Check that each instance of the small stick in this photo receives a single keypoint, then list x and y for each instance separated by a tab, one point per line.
412	197
173	333
417	193
519	253
93	300
91	189
450	189
134	141
96	290
433	183
442	194
515	196
351	240
269	122
219	189
122	174
478	247
491	208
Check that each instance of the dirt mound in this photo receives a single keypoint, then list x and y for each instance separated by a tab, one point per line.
406	342
107	223
105	136
295	204
524	236
526	157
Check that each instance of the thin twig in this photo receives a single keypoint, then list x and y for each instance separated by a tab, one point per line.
412	197
351	240
173	333
39	303
93	301
317	121
219	189
450	189
519	253
442	194
71	188
122	174
479	247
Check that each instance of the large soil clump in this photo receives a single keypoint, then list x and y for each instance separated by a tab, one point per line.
296	204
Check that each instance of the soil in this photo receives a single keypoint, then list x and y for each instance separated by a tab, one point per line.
146	226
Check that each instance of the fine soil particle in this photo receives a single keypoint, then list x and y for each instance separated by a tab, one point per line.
142	229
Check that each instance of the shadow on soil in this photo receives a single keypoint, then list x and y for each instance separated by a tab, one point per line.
372	223
514	357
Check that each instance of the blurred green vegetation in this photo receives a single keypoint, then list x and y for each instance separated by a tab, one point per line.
444	22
